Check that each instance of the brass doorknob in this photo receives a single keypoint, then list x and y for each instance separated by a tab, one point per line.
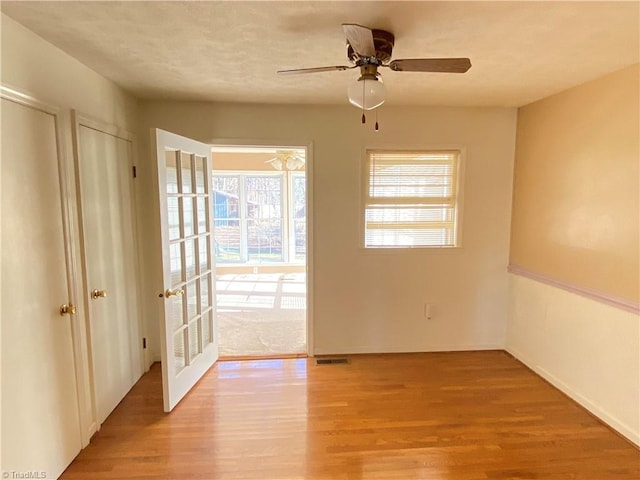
95	294
67	310
174	293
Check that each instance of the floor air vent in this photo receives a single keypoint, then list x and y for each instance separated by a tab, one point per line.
331	361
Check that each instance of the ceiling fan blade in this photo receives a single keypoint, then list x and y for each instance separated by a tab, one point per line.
445	65
298	71
360	38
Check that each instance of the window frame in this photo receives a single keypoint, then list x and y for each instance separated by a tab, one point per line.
286	205
458	198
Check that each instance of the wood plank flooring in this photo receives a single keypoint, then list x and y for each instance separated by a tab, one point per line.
435	416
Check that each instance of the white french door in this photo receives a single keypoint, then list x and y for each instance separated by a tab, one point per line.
189	343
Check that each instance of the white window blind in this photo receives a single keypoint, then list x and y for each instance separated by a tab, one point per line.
411	199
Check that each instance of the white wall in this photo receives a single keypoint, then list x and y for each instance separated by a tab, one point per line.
36	67
371	302
586	348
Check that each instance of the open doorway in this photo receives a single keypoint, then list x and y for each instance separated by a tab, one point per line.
260	231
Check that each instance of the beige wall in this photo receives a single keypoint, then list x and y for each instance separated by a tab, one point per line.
363	301
575	208
244	161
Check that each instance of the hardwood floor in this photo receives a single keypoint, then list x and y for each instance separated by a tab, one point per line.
436	416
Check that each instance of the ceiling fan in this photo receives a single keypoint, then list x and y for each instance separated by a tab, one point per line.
287	160
371	49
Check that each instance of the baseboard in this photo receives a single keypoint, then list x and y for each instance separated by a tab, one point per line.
425	349
92	430
595	409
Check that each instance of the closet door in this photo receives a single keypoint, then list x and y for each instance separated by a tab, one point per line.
40	416
104	161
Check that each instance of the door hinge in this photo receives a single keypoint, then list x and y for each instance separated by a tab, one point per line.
135	173
144	343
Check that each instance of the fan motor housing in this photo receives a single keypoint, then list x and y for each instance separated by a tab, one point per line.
383	42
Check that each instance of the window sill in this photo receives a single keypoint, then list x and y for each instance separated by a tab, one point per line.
412	250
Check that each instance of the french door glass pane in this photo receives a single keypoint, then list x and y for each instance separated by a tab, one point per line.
191	294
175	261
173	217
206	328
190	259
179	350
187	215
200	175
194	340
185	166
176	313
205	297
202	207
203	253
172	172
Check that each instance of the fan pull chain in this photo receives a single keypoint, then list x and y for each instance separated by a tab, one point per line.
364	119
377	128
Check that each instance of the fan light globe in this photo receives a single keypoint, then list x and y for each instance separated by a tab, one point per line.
366	93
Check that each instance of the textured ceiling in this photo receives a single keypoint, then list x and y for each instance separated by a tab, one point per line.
229	51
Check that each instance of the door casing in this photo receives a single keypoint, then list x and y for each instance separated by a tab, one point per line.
308	146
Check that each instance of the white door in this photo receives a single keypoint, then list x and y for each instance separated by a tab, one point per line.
105	172
40	416
188	338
